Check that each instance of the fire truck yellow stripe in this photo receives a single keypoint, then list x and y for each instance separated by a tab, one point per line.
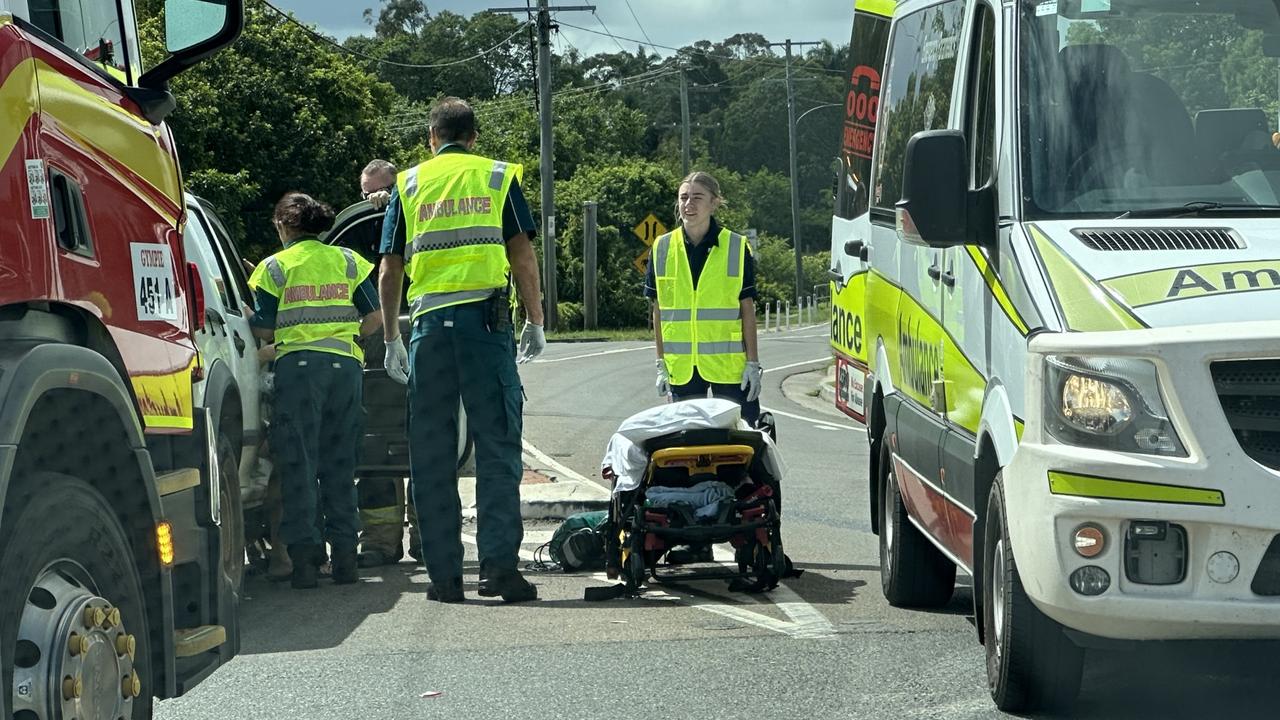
17	98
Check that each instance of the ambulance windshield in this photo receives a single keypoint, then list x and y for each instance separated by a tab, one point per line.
1133	104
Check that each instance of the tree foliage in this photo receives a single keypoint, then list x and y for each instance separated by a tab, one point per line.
283	110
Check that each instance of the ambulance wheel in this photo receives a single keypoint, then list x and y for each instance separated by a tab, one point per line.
1031	663
913	573
73	625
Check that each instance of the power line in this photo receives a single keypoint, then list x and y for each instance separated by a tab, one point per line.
607	31
342	48
642	30
696	51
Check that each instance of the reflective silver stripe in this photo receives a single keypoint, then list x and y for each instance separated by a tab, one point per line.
432	301
675	315
498	175
661	248
276	272
720	348
326	343
719	313
351	263
316	315
410	184
735	254
448	239
677	348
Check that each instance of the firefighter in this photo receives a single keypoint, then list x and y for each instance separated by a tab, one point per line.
315	302
459	227
701	279
382	499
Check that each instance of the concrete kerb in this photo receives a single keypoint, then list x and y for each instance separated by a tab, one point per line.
567	494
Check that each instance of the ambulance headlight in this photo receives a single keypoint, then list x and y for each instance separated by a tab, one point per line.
1110	403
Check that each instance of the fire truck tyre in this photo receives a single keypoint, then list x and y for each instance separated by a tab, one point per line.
913	573
232	544
73	627
1031	663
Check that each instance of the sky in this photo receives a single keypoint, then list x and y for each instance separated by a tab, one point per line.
675	23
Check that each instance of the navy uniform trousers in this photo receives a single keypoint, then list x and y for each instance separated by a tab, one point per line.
316	424
454	354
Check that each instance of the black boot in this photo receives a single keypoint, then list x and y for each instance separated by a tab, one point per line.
305	574
509	584
344	567
446	592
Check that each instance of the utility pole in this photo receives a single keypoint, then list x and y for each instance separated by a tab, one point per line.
795	179
589	310
684	120
542	16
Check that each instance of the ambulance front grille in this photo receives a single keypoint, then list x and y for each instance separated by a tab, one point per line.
1250	394
1169	238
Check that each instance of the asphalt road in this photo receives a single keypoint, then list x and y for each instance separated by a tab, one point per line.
824	645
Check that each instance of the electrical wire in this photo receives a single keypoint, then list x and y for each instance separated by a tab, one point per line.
616	41
342	48
642	30
703	53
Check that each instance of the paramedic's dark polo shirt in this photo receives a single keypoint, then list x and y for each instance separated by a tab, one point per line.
698	259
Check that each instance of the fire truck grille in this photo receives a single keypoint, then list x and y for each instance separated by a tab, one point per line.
1250	394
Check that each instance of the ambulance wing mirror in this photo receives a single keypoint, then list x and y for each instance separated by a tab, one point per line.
194	30
934	207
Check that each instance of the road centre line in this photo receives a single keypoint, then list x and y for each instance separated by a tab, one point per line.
799	364
591	355
827	423
550	462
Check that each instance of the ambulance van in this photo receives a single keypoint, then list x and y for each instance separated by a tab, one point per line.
1057	257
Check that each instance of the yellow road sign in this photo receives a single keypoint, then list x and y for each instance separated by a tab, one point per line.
650	229
642	262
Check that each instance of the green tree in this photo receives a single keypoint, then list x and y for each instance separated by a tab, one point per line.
275	112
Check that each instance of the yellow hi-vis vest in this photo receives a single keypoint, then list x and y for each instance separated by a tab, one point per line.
454	250
701	328
315	284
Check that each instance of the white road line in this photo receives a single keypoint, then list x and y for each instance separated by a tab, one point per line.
591	355
550	462
795	365
819	423
525	555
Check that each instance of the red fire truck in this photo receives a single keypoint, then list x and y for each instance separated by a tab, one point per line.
117	585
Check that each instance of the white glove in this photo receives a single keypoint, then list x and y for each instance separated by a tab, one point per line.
664	379
379	199
532	342
752	379
397	361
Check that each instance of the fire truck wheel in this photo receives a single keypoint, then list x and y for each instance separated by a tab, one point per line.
73	627
1031	663
913	573
231	512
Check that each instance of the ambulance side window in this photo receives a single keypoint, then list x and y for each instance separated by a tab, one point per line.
92	28
980	122
919	78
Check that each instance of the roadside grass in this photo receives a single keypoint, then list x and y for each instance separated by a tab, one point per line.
602	335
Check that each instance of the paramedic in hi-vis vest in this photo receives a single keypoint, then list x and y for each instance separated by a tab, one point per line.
315	302
459	227
704	320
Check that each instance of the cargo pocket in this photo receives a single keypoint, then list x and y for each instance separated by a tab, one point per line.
513	406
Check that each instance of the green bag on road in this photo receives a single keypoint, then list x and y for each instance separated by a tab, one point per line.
578	544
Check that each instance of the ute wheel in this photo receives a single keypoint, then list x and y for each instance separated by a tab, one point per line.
232	517
913	573
1031	663
73	626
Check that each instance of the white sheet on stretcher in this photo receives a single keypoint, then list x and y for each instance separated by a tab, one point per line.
626	458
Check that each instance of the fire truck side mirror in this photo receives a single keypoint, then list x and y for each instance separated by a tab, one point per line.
195	285
194	30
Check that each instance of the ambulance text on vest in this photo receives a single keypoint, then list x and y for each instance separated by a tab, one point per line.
451	207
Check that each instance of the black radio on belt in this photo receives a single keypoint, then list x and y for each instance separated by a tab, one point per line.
498	311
